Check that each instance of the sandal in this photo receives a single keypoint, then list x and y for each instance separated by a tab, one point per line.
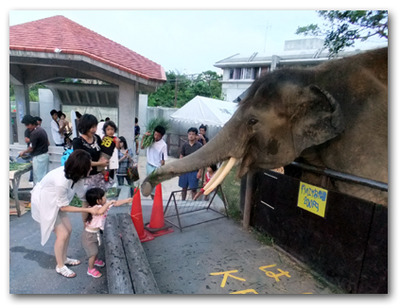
94	273
65	271
99	263
72	262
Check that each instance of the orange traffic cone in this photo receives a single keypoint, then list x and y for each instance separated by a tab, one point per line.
157	226
137	218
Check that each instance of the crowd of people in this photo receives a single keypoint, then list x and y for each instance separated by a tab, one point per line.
87	169
98	157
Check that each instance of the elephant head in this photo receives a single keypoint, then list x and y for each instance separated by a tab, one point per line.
283	113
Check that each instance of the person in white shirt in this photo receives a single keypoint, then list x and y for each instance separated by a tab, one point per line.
56	129
157	152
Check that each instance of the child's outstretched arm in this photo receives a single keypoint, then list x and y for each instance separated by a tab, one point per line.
198	194
120	202
105	207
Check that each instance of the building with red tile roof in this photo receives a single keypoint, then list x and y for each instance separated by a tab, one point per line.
51	50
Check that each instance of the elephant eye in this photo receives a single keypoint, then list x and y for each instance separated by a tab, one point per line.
252	121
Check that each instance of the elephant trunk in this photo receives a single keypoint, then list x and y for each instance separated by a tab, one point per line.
218	149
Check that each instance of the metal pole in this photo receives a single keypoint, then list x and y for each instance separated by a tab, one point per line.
343	176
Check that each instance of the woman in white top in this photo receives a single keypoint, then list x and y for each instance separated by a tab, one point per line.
50	203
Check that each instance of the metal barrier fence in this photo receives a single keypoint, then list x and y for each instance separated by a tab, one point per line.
348	244
186	213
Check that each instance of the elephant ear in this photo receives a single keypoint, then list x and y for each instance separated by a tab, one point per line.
316	119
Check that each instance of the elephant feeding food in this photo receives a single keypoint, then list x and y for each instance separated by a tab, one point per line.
333	115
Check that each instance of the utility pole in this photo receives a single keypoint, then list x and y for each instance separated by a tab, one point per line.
176	90
267	27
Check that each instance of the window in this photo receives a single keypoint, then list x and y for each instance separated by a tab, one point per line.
231	73
265	70
245	73
238	73
256	72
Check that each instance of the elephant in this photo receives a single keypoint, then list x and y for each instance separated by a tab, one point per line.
333	115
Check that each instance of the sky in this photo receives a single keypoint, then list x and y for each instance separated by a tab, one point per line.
187	41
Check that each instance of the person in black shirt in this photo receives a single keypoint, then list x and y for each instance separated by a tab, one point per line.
38	148
191	179
90	142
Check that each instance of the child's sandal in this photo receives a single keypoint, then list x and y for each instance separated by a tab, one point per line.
94	273
99	263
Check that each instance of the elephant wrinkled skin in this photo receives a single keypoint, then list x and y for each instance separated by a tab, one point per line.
333	116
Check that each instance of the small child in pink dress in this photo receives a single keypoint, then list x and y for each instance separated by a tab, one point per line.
209	174
93	224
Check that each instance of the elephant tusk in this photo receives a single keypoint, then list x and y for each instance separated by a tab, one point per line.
232	161
216	175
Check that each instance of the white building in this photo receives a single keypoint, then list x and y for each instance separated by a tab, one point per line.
239	71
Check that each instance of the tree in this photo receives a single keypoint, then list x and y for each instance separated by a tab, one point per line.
347	27
210	82
33	92
179	89
164	96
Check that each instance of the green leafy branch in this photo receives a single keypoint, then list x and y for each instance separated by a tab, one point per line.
153	123
344	28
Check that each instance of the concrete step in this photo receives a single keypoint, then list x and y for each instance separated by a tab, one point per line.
128	270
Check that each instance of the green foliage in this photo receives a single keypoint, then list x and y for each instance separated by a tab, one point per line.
157	121
148	140
76	201
231	189
12	93
179	89
263	237
344	28
13	166
33	92
113	193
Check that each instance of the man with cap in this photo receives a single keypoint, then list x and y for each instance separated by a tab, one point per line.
38	148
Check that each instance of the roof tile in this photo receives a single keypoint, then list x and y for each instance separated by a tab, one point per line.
45	35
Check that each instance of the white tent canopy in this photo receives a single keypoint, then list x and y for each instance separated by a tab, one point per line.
206	111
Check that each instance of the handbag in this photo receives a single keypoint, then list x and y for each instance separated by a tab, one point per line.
132	173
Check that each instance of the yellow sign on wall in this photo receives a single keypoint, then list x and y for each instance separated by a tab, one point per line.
312	199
